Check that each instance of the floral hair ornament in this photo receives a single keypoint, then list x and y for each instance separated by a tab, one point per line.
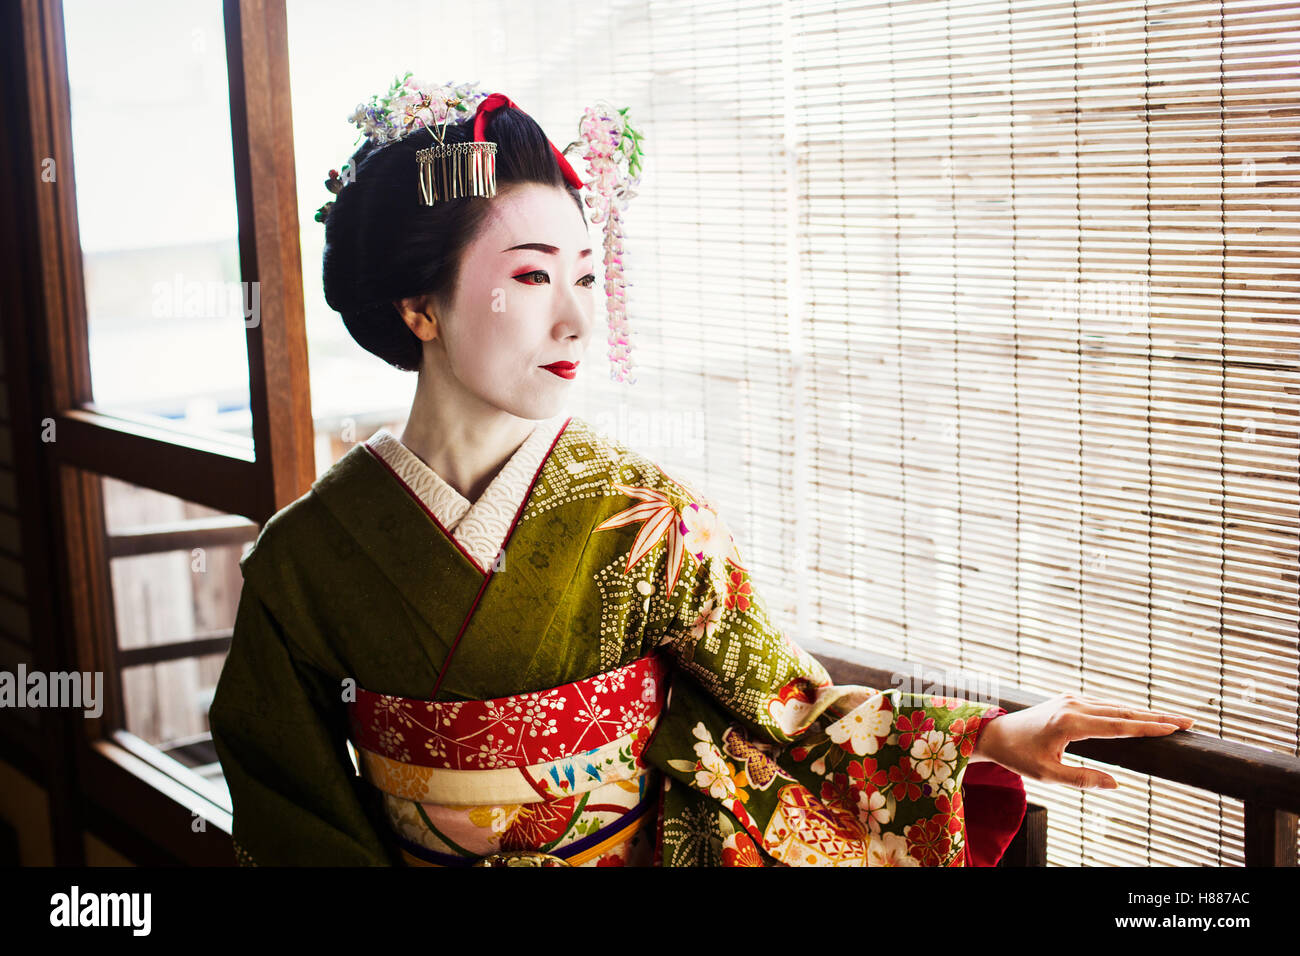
456	170
612	149
409	105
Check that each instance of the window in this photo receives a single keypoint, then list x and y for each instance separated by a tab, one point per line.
165	442
165	307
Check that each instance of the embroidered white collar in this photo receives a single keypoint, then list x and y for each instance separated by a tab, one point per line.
479	527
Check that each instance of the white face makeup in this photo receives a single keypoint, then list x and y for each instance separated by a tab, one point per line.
517	310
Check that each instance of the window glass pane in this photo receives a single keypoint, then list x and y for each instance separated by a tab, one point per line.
156	212
176	582
165	696
353	392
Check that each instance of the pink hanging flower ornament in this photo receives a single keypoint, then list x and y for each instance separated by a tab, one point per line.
612	148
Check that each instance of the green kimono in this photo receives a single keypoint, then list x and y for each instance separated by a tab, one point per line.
581	557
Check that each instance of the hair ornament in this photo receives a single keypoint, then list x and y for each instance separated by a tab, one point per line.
612	149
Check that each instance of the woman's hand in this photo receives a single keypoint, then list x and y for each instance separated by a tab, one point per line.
1032	741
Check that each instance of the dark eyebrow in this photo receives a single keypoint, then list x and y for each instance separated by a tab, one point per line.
543	247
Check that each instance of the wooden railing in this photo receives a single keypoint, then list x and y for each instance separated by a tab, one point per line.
1267	782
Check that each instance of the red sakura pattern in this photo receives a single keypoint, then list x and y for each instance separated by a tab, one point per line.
855	792
904	780
640	740
739	592
931	840
965	731
517	731
913	725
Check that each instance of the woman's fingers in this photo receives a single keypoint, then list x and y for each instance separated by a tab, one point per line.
1107	709
1081	778
1096	705
1083	726
1086	725
1036	737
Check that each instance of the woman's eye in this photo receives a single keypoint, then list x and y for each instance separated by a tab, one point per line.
587	282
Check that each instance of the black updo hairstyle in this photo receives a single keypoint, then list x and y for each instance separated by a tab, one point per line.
382	245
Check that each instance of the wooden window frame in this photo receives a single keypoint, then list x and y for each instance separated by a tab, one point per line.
127	786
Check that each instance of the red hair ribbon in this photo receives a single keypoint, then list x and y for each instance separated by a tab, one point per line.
495	102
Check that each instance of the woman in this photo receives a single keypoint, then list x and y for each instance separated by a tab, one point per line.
543	648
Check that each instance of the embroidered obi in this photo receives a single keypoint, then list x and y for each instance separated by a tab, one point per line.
557	771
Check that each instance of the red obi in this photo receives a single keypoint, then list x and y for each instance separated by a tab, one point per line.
557	771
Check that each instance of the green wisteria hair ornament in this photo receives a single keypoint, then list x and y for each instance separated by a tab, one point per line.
609	143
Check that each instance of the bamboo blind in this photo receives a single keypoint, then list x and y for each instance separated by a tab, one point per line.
1053	364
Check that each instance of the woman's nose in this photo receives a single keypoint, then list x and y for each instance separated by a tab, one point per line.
577	316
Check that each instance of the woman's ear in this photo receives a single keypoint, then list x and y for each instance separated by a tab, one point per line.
417	312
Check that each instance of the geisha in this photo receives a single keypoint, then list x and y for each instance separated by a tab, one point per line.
540	647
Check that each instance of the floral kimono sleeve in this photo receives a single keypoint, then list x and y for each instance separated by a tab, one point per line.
767	762
278	726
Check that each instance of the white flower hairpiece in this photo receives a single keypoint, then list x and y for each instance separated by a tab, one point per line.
410	105
407	106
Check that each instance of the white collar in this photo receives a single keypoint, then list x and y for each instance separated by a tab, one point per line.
479	527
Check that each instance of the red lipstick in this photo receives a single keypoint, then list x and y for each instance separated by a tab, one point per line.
562	369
